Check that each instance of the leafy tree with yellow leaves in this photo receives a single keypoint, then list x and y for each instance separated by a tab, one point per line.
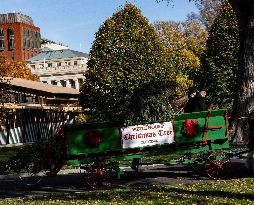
186	42
16	69
3	93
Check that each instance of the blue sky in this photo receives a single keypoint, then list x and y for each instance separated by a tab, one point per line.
75	22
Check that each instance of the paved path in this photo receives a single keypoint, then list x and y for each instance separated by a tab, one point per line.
71	181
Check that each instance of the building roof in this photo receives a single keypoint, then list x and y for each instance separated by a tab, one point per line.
16	18
53	46
57	54
39	88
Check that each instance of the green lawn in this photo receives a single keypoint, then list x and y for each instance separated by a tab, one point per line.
7	152
237	191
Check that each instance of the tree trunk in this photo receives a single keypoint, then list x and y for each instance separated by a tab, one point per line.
244	99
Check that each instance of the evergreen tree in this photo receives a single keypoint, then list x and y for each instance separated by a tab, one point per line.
126	57
220	61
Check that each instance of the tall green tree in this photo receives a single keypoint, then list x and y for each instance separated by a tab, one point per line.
243	102
126	57
220	62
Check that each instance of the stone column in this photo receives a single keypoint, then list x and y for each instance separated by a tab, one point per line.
68	85
77	84
58	83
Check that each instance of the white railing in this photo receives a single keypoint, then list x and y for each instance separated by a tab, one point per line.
60	70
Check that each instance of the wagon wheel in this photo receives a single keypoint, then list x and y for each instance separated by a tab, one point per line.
111	175
94	176
136	163
217	166
197	165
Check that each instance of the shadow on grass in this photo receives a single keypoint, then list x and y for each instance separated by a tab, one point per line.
131	186
154	193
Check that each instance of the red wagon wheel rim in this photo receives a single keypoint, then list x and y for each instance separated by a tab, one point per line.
217	169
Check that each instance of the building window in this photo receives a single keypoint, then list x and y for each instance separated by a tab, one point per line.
80	81
49	64
24	39
69	63
58	64
38	40
63	83
33	66
32	44
75	62
27	44
1	39
53	82
72	82
32	39
10	32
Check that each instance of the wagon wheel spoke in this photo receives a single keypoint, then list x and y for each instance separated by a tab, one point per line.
110	177
217	169
211	171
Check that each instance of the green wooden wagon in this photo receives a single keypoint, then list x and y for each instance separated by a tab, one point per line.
101	149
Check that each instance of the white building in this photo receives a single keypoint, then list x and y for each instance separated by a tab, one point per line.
53	46
64	67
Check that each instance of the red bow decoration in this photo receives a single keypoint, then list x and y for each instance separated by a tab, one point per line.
93	137
191	127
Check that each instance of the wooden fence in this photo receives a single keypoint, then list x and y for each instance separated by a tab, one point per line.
31	125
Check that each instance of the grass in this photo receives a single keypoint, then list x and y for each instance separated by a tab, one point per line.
7	152
236	191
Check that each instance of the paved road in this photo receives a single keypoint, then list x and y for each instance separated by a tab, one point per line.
70	181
